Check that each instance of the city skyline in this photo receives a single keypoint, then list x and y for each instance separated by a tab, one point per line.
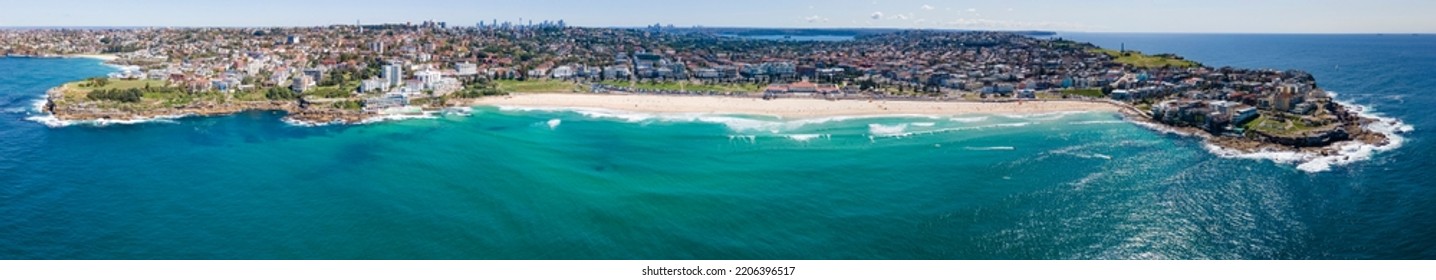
1384	16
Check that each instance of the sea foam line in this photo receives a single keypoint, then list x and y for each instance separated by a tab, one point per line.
390	117
900	130
994	148
734	122
51	121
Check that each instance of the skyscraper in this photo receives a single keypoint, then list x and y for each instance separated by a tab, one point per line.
394	74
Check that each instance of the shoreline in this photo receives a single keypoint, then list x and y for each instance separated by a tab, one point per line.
101	57
796	108
1308	159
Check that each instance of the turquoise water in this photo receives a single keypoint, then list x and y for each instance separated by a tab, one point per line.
529	184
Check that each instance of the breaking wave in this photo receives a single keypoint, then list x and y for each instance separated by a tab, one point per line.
968	119
51	121
900	130
887	130
1051	116
807	137
996	148
734	122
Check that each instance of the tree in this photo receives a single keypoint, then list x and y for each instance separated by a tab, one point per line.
99	81
867	84
280	93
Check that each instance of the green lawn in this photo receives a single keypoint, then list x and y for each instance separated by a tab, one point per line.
158	95
118	84
537	86
250	95
1138	59
1276	126
1089	92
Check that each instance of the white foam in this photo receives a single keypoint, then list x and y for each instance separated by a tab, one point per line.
294	122
400	117
995	148
51	121
891	131
388	116
553	124
924	124
1161	128
1086	155
806	137
39	105
458	111
734	122
887	130
1048	116
968	119
1076	151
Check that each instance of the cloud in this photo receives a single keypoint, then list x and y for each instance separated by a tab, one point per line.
815	19
876	15
901	17
988	24
926	7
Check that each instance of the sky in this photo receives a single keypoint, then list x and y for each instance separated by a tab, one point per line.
1158	16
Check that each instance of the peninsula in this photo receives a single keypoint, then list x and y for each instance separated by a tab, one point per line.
349	73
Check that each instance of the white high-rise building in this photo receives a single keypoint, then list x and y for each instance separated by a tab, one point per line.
394	74
376	46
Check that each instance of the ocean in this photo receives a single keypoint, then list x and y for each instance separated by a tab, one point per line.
524	183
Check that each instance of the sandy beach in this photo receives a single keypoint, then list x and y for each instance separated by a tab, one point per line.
103	57
785	107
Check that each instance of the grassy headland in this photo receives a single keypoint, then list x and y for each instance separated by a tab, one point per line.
1138	59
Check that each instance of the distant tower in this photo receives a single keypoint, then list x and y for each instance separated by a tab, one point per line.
1124	48
360	25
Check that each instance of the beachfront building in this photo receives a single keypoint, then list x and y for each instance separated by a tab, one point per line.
562	72
373	85
428	77
394	74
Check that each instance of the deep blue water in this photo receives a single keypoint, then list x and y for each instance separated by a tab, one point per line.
515	184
